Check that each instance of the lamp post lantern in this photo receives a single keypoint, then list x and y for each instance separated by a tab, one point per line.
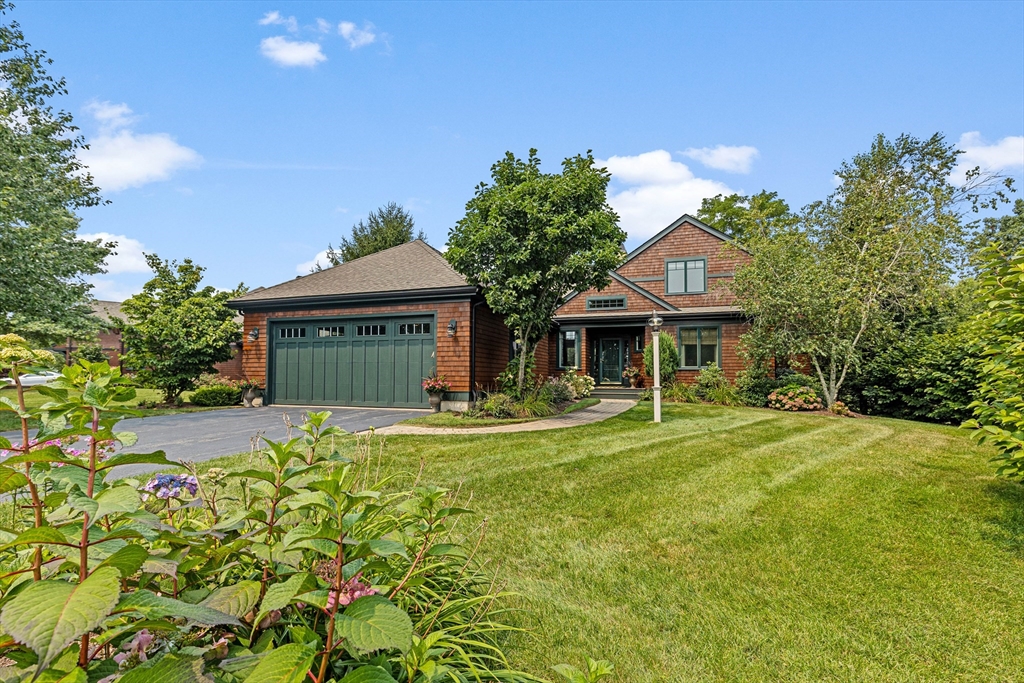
655	324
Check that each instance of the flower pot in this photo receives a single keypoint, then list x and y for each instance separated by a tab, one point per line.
250	395
435	402
633	381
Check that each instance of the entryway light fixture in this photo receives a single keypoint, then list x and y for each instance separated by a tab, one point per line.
655	323
452	326
254	334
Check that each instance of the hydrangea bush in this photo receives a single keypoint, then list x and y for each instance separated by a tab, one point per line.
795	399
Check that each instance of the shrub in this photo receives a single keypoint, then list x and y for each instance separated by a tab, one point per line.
501	406
90	352
709	378
754	387
678	392
559	390
724	396
645	395
839	408
508	380
794	398
668	355
216	395
581	385
535	405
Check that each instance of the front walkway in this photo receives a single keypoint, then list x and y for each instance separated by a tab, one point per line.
608	407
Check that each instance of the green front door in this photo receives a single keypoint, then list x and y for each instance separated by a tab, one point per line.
610	361
371	362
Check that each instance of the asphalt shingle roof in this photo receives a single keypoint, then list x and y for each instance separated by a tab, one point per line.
410	266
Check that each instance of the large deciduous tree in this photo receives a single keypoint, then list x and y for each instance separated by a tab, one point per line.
531	238
388	226
175	330
861	260
43	292
745	218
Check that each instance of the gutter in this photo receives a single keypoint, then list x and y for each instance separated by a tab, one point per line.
381	298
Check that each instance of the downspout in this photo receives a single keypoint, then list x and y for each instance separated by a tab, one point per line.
472	351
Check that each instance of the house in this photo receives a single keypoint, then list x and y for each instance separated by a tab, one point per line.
368	331
108	338
682	273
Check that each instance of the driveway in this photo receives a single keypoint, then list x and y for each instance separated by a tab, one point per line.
211	434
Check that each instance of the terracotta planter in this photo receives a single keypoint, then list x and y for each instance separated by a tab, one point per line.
435	402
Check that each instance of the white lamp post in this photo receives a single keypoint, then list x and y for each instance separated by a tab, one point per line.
655	323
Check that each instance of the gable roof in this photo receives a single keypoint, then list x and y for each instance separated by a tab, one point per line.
411	266
685	218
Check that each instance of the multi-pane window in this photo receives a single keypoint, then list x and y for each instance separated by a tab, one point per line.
414	328
568	349
291	332
371	330
698	346
600	303
686	276
331	331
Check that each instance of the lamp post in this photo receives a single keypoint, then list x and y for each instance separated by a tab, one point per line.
655	323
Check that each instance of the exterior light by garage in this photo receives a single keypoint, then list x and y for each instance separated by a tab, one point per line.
254	334
453	324
655	324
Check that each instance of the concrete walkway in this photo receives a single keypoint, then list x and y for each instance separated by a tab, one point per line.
608	407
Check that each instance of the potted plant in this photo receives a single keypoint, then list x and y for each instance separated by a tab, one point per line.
435	386
251	390
632	373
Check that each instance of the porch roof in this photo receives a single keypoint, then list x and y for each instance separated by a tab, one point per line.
640	317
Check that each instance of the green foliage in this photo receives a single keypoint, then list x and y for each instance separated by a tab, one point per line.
668	357
43	292
714	387
1005	232
754	385
744	218
508	380
176	330
581	385
348	577
882	244
678	392
999	410
90	352
531	238
559	390
388	226
219	395
596	670
796	397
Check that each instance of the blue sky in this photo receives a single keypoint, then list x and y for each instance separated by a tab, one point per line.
248	136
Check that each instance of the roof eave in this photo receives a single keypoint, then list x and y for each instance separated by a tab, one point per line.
383	298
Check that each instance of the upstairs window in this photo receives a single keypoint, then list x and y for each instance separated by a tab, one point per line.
291	332
569	349
686	276
698	346
606	303
371	330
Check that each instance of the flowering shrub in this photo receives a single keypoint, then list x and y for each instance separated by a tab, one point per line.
839	408
794	398
436	384
166	486
581	385
558	390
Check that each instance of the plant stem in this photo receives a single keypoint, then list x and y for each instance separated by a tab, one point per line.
37	503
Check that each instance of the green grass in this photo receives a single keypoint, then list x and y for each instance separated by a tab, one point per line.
448	419
736	544
33	399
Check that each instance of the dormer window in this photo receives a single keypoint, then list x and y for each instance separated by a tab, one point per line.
686	276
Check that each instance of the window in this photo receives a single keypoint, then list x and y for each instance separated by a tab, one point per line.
599	303
414	328
638	344
569	349
332	331
371	330
292	332
686	276
698	346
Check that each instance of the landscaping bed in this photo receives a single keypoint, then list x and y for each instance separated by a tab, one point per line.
463	420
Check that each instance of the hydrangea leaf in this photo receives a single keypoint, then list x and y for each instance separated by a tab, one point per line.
286	664
169	669
237	600
154	606
368	674
374	623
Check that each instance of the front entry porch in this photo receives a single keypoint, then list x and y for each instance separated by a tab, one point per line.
611	351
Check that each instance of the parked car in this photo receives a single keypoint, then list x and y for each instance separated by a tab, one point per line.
32	380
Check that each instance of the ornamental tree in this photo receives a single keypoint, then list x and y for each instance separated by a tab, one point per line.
43	264
176	331
530	238
745	218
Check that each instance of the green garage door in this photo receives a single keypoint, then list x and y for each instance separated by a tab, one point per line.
352	361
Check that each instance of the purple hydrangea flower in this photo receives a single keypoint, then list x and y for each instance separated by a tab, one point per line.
166	486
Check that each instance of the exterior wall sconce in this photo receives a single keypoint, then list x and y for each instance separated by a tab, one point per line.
254	334
453	324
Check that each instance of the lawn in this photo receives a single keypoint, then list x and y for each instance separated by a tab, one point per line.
9	421
736	544
449	419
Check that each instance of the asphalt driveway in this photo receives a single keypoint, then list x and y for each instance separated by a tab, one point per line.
211	434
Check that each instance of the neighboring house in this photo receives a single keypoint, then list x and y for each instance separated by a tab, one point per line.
683	273
368	331
109	338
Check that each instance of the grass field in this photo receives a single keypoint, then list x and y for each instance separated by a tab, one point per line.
10	422
735	544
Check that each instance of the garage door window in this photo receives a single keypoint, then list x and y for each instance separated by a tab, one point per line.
333	331
414	328
371	330
292	332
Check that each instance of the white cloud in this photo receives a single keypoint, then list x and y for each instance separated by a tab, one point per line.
111	290
308	266
357	37
119	158
287	52
1005	155
323	26
129	256
275	19
657	191
724	158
